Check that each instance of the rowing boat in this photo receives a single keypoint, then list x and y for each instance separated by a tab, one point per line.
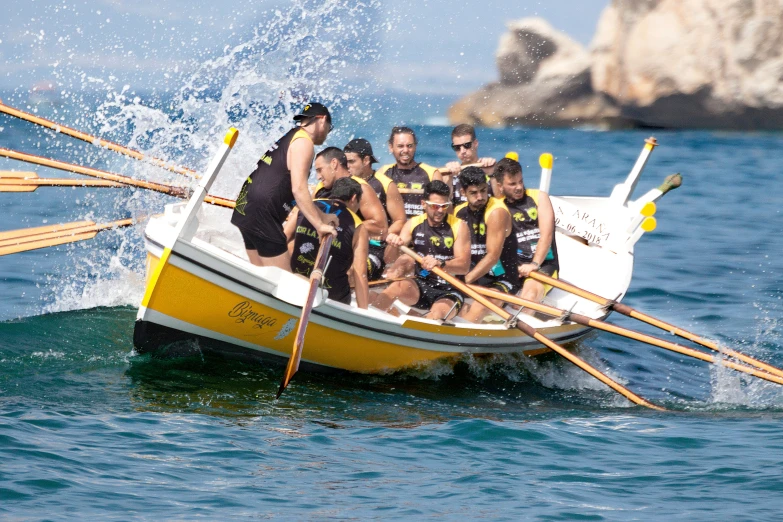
202	289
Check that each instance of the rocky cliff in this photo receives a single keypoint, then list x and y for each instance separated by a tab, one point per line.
652	63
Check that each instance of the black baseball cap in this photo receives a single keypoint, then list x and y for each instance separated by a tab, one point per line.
314	109
361	147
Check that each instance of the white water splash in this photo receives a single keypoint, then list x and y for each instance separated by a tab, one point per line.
313	51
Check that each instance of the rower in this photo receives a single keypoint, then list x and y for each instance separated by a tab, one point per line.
349	246
493	243
534	223
360	159
278	182
465	144
331	165
409	175
443	241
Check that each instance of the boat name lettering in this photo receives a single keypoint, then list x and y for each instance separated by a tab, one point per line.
577	220
244	312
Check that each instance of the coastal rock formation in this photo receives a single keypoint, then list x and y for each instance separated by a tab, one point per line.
693	63
545	80
652	63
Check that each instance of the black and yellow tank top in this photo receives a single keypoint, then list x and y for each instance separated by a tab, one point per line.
524	216
507	265
437	242
380	184
410	182
266	194
306	245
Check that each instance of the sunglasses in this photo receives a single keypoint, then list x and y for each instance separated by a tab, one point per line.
456	146
331	127
439	206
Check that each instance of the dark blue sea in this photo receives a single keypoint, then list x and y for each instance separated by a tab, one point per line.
89	429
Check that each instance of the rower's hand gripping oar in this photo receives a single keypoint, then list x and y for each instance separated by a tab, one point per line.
631	312
530	331
624	332
116	147
315	279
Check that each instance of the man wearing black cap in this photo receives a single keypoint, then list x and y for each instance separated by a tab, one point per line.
277	184
360	159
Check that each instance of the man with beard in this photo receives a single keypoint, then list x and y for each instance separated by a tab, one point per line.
349	247
331	165
278	182
534	223
465	144
493	243
360	159
409	176
443	241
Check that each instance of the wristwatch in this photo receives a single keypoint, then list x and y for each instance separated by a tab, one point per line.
442	264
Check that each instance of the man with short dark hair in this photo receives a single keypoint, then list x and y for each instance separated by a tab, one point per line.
465	144
349	246
443	241
409	175
331	164
493	243
278	182
534	223
360	159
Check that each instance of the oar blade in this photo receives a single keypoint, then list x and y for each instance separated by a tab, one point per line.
15	187
37	231
34	238
44	243
304	319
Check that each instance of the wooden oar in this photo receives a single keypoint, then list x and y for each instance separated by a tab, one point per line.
116	147
315	280
630	312
29	181
461	167
531	332
624	332
14	241
172	190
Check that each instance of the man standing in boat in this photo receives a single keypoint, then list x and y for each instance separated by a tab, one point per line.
349	247
277	184
443	241
493	242
465	144
409	176
534	223
360	159
331	165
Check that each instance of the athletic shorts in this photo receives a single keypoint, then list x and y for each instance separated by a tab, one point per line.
375	263
264	246
549	268
429	294
342	295
499	284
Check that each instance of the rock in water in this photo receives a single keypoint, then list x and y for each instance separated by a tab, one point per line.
652	63
545	80
693	63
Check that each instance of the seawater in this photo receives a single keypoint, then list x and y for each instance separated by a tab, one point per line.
90	429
